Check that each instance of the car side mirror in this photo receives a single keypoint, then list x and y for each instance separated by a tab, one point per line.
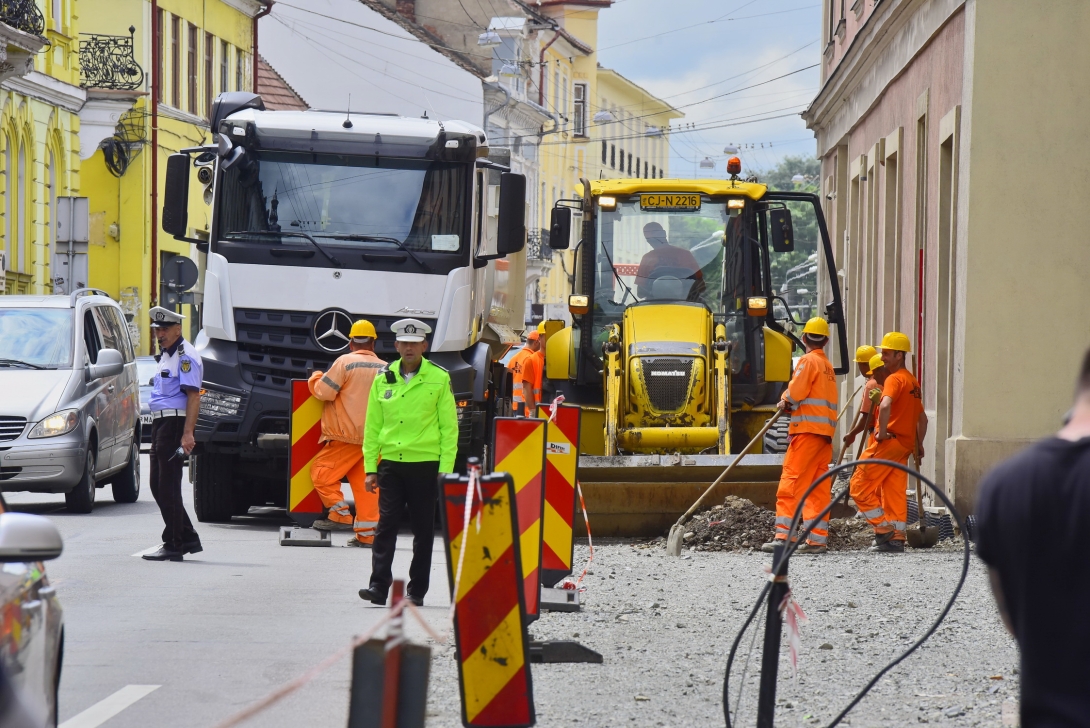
560	228
27	537
783	237
176	195
110	363
511	226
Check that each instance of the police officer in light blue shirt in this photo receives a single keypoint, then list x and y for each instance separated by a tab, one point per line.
174	403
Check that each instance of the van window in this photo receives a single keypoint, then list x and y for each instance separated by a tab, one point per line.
114	334
91	338
122	334
38	336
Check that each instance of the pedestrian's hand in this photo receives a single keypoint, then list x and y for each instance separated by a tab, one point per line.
849	439
188	443
919	452
371	483
783	406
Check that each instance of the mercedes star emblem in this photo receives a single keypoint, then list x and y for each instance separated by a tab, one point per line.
332	329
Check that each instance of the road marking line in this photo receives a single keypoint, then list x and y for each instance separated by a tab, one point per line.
151	550
105	709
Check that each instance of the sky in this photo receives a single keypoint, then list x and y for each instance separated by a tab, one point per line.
328	49
726	45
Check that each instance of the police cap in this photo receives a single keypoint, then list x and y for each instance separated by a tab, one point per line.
164	317
410	330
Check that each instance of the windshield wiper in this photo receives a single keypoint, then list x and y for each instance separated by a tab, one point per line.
380	239
19	362
285	233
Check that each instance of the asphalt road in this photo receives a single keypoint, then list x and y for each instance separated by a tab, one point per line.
216	632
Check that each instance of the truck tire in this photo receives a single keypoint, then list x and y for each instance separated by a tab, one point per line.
126	484
776	437
213	497
81	499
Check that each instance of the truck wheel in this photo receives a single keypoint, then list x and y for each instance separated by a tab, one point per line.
213	498
81	499
126	484
776	437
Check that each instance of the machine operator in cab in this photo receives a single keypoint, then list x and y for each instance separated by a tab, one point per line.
879	491
175	401
664	257
811	398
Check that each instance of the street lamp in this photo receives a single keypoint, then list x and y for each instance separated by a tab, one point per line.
489	39
652	131
707	163
603	117
730	150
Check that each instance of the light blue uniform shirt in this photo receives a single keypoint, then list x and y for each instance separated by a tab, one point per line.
179	370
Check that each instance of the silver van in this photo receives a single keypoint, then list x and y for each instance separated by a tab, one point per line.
69	398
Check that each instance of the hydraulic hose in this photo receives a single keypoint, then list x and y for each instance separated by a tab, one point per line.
792	545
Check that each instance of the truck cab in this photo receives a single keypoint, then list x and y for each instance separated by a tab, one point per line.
319	219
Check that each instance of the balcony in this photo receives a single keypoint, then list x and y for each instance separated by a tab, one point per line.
537	245
107	62
22	15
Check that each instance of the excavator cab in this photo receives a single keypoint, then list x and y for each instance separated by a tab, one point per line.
688	302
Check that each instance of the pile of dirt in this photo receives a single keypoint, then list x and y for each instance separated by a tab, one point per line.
739	524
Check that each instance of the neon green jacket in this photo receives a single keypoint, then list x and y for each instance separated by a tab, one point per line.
411	422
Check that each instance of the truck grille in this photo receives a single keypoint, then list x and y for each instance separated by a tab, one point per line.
11	427
666	381
275	347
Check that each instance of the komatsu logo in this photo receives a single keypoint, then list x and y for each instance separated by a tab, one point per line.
669	374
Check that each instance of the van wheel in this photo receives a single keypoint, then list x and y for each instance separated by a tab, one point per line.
81	499
126	484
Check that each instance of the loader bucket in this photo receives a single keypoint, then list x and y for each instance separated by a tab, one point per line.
643	495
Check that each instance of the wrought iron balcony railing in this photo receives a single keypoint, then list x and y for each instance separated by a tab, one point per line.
537	245
107	61
24	15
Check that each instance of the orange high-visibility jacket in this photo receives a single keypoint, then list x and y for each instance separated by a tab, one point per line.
345	389
812	395
515	367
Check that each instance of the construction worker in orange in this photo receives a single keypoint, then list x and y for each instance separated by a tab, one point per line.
872	393
811	398
345	389
879	491
533	372
533	343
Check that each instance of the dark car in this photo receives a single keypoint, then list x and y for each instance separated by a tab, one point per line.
146	368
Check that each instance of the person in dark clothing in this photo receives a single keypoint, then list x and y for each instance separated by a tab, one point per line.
1032	514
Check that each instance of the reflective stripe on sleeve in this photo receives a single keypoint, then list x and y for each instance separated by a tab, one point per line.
330	383
790	400
364	365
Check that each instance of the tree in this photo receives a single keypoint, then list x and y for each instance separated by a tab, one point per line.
790	270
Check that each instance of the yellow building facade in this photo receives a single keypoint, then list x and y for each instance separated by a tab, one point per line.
140	111
40	99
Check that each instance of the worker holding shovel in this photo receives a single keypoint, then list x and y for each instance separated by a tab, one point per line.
811	397
872	394
879	491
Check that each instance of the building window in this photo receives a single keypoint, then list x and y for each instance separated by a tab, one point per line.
175	63
556	88
645	170
637	166
58	14
613	156
579	122
20	207
238	71
209	64
51	204
605	152
564	108
630	163
159	70
225	61
622	161
191	69
9	206
654	171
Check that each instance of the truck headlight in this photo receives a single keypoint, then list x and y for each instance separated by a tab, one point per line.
56	424
219	404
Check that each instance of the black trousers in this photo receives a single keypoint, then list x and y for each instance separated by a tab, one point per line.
414	485
166	482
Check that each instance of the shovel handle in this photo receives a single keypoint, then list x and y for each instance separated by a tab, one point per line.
919	490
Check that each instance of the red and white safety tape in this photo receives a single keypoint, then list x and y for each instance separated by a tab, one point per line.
569	583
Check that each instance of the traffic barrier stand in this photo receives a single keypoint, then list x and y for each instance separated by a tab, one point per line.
519	449
390	677
558	520
295	536
480	528
304	432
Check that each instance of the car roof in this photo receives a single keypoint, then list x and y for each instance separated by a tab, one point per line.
57	301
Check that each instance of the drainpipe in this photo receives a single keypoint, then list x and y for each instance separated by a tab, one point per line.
260	14
156	85
541	69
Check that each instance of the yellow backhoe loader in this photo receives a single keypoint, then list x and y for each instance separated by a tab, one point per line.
686	296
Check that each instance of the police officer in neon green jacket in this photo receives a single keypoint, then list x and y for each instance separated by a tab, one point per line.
411	436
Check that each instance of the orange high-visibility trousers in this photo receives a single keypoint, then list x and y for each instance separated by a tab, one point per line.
879	490
807	460
334	461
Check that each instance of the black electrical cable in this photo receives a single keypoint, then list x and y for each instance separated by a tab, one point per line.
792	546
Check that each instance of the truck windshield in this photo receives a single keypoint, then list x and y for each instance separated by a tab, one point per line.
344	200
35	338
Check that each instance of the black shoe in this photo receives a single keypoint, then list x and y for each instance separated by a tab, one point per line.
371	594
417	601
192	547
164	554
889	547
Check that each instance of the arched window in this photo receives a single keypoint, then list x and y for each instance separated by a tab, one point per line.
9	204
20	209
50	210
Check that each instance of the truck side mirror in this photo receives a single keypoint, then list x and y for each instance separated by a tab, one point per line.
560	228
176	195
783	237
511	226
